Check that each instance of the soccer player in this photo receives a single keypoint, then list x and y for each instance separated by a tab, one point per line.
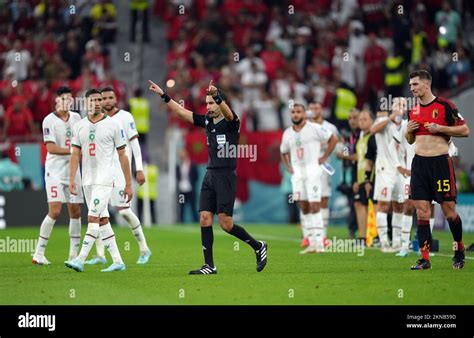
300	153
315	114
218	187
98	137
127	123
386	175
57	131
432	122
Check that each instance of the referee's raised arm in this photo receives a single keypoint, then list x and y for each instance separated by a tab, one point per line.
183	113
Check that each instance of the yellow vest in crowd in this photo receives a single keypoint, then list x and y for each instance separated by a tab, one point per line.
345	102
140	109
394	75
139	5
151	172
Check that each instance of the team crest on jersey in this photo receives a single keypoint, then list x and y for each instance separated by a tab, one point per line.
68	132
46	131
434	113
92	135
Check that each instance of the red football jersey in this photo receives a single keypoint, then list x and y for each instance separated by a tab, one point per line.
440	111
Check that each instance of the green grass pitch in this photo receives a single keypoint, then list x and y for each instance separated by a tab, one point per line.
288	279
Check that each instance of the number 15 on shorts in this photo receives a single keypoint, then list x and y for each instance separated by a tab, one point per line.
443	185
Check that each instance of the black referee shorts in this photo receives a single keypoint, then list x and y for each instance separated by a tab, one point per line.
433	178
218	192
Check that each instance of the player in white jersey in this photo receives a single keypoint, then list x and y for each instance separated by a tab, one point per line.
98	137
386	175
315	114
57	128
127	123
301	145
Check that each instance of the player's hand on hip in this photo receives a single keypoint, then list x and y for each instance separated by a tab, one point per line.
412	126
140	176
72	188
128	193
322	160
368	188
355	188
155	88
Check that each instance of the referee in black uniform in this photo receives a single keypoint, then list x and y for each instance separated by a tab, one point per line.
218	187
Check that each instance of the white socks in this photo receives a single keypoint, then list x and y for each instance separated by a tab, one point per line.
382	227
89	239
45	232
325	215
432	224
397	229
407	222
305	223
134	224
99	246
108	239
318	230
74	236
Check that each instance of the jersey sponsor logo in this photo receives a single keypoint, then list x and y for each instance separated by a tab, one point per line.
46	131
434	113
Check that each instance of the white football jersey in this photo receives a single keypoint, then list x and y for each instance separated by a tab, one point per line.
383	139
304	147
407	150
127	123
333	129
98	142
59	132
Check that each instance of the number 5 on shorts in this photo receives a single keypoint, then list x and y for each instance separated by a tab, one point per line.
446	187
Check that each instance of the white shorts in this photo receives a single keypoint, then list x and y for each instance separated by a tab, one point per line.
325	184
386	188
306	188
118	198
57	191
97	199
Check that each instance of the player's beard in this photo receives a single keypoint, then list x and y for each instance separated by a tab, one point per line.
297	122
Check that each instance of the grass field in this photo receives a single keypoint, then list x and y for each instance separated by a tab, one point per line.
288	279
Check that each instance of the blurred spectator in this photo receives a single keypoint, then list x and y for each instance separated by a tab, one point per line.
459	70
18	121
72	56
139	8
186	177
151	183
265	112
11	175
104	16
252	80
448	22
344	101
374	57
17	61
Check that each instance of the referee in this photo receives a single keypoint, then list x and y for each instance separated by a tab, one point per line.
218	187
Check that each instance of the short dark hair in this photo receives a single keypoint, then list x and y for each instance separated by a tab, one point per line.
299	105
63	90
422	74
107	89
92	91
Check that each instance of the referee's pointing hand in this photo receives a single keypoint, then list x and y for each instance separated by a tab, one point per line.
155	88
212	90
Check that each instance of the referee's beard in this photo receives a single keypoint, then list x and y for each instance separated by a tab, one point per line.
213	114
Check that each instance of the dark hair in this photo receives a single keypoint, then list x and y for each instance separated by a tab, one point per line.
107	89
422	74
299	105
63	90
92	91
